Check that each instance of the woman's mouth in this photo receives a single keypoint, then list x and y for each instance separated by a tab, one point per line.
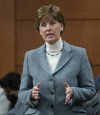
49	34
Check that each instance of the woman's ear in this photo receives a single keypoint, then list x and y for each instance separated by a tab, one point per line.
62	27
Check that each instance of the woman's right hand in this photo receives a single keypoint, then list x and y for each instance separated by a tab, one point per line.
35	92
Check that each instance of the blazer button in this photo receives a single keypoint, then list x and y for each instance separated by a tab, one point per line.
52	106
51	79
52	93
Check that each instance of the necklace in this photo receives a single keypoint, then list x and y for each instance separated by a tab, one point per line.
54	54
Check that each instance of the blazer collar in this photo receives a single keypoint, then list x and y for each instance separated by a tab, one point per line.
65	57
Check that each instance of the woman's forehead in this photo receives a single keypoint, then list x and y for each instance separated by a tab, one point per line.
47	18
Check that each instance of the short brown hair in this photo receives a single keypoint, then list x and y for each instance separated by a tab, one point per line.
51	10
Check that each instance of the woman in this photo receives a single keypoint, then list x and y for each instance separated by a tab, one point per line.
57	76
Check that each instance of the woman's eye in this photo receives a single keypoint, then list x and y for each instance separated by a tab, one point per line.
43	25
52	22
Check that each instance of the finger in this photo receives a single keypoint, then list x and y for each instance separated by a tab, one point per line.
35	92
38	85
67	90
67	99
67	96
66	85
35	88
36	96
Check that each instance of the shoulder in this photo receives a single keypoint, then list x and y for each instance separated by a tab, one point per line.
35	51
78	49
75	49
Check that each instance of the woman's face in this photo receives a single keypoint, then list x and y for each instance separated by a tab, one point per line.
50	30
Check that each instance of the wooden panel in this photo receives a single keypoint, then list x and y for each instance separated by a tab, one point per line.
96	71
19	69
26	9
85	34
27	38
7	37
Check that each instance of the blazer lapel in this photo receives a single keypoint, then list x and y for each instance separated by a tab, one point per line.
42	59
65	56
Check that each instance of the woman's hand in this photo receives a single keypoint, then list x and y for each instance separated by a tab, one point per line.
68	92
35	92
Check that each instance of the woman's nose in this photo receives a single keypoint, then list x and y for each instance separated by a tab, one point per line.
48	27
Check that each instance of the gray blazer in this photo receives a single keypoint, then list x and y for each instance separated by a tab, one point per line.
18	109
73	68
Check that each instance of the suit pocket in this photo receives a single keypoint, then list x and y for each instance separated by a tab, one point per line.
30	111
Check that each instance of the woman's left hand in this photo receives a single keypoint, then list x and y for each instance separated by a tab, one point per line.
68	92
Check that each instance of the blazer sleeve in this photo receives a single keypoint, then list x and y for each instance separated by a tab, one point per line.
86	89
26	85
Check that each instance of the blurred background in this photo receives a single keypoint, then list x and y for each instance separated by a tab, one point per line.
18	33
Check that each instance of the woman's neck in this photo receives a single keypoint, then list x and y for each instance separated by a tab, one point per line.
55	48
